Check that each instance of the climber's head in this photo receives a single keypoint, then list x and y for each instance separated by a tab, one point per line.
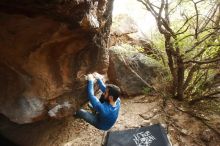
112	92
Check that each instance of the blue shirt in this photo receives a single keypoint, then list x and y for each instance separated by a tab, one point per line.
107	114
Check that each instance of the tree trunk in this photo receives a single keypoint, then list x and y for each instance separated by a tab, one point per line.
180	79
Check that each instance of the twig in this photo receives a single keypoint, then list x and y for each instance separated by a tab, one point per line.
197	18
206	97
199	42
190	76
203	62
137	75
147	118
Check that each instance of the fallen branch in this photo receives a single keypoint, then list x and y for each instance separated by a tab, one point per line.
206	97
203	62
136	74
148	117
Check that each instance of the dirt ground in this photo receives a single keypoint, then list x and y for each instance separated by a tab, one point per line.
182	128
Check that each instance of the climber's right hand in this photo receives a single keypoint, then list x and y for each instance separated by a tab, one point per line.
90	77
97	76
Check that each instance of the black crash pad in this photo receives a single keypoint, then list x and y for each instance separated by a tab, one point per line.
145	136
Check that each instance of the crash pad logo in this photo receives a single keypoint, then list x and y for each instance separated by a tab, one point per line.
143	138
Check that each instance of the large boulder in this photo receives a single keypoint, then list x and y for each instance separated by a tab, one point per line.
133	71
123	24
124	29
121	27
46	48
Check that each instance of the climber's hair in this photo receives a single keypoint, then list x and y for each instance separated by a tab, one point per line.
114	91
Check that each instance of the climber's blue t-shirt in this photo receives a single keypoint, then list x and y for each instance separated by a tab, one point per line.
107	114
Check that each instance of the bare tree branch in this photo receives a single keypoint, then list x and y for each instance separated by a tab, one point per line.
175	7
203	62
206	22
197	19
199	42
190	76
167	12
158	17
183	31
206	97
191	35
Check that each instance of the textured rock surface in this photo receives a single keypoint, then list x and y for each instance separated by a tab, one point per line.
123	24
126	64
125	30
46	47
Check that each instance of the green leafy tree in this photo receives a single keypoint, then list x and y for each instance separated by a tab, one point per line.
190	29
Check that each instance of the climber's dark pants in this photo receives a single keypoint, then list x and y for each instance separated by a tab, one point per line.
91	118
88	117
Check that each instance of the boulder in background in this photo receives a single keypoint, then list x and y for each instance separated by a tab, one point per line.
132	70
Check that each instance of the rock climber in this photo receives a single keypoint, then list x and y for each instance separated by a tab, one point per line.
107	108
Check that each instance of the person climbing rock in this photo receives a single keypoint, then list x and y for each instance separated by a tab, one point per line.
107	108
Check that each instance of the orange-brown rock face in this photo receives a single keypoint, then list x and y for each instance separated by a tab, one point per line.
46	48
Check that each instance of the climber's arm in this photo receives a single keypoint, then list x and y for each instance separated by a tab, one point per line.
101	85
92	98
